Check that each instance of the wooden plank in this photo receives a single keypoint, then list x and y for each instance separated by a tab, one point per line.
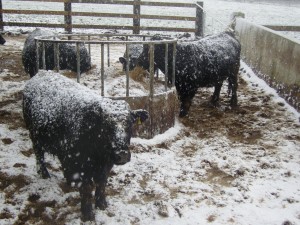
86	1
136	20
199	20
169	4
174	29
43	1
183	18
1	16
92	26
145	3
68	16
52	25
92	14
20	24
34	12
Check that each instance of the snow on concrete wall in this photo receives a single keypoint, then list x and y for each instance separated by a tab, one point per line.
273	56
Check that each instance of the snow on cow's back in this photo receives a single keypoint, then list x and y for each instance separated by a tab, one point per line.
51	94
221	44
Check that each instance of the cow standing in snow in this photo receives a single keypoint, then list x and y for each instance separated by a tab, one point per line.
88	133
67	55
202	63
2	40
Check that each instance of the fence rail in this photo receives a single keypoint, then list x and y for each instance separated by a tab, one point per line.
136	16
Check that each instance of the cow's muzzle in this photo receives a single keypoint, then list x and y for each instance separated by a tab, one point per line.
121	157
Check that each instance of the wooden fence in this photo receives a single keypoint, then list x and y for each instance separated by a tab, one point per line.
136	16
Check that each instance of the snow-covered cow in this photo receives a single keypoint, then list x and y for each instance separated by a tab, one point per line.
201	63
2	40
88	133
67	55
134	52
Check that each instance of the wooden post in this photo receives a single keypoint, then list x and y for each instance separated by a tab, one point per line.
1	17
199	25
68	16
136	16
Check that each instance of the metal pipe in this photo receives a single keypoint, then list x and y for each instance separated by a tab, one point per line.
102	69
56	56
78	60
89	47
37	55
174	64
108	53
127	70
166	66
151	70
43	55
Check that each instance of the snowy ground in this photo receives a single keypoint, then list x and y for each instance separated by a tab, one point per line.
217	166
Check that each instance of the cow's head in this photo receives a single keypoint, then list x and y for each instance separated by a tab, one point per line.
132	63
121	153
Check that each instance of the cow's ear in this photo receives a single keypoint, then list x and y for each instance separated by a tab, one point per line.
139	115
122	60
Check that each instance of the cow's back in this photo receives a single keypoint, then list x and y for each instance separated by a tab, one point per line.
206	61
62	115
221	50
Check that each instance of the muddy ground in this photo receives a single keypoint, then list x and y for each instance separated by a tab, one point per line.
251	124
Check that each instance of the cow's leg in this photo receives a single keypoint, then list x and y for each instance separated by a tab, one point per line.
186	102
86	201
233	100
40	163
216	95
233	80
100	200
100	181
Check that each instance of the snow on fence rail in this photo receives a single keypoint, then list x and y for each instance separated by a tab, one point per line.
136	16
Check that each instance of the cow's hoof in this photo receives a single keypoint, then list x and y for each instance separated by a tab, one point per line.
182	114
233	105
101	204
88	217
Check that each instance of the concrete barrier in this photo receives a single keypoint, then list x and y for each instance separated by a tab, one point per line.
274	57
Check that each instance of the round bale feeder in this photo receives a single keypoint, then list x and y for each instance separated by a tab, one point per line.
161	106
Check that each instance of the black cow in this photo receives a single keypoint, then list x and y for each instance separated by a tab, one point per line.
67	55
134	52
2	40
88	133
202	63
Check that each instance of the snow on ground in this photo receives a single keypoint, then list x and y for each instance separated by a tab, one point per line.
217	166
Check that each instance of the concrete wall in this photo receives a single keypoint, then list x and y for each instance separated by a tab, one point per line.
274	57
